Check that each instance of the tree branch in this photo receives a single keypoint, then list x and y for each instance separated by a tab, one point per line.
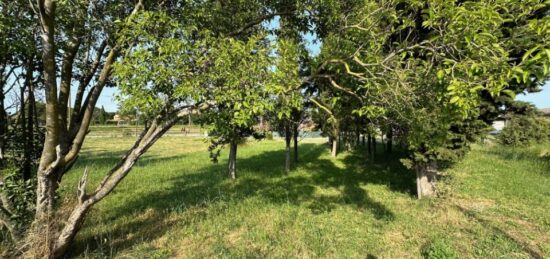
256	22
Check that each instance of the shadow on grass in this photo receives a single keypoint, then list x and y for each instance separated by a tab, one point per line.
260	176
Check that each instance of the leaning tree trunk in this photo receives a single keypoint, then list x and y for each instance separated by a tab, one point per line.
287	148
85	201
426	176
232	164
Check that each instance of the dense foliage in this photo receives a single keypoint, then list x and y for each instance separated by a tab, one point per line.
525	130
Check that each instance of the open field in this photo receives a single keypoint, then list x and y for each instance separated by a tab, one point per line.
133	130
176	203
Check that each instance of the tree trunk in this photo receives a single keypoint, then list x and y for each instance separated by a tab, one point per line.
357	138
369	145
3	114
3	123
57	242
288	138
27	124
232	165
390	140
26	170
45	188
61	147
334	151
374	144
426	174
295	136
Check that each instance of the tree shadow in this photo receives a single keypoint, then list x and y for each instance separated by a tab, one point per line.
260	176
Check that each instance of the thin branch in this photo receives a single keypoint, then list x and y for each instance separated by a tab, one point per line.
256	22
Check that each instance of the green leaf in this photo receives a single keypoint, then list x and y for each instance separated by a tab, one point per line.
440	74
509	92
454	99
528	53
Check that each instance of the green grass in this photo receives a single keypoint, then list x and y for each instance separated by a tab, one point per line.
176	203
133	130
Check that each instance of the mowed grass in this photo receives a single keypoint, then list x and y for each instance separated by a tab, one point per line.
177	204
129	130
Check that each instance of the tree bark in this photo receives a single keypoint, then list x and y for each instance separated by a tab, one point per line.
426	174
334	151
389	143
3	128
45	192
3	123
288	138
369	145
232	164
295	136
373	144
27	121
357	138
26	170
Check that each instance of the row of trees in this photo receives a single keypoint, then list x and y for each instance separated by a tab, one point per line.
419	71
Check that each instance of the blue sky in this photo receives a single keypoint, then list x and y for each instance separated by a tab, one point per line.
540	99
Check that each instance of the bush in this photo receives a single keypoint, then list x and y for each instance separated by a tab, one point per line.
20	195
524	130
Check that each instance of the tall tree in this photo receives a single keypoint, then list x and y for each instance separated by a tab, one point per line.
288	96
82	40
421	62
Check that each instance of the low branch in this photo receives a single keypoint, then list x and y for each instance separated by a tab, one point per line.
56	163
148	137
81	193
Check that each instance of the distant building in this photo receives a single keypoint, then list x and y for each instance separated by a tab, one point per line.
498	125
121	120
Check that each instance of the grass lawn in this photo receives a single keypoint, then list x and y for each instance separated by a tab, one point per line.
114	131
176	203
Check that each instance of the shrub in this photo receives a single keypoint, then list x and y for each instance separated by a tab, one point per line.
20	195
524	130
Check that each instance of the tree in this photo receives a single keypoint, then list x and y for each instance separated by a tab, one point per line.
286	114
422	63
103	116
178	55
240	92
